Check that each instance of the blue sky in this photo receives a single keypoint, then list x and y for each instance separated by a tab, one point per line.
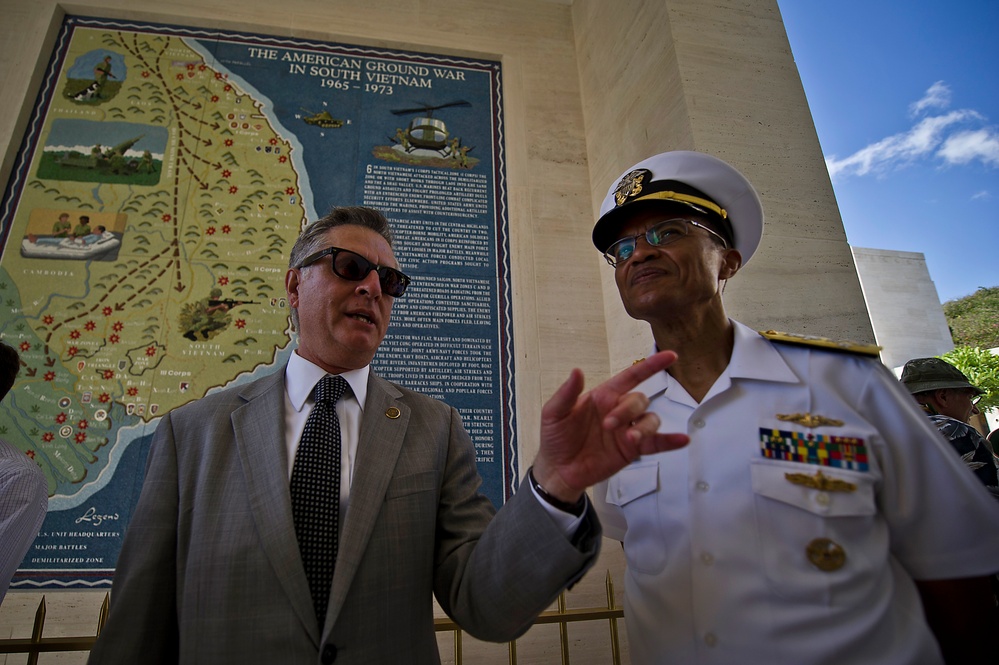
905	99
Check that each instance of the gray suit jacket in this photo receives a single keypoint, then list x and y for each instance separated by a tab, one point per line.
210	571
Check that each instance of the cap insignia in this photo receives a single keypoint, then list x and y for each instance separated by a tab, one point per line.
630	185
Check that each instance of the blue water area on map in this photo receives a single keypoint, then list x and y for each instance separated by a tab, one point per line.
78	547
335	158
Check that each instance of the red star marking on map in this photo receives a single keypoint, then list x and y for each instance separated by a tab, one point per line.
108	374
80	437
61	418
202	67
104	398
89	325
273	141
289	191
227	87
240	323
282	159
226	229
223	280
107	311
133	391
167	217
31	453
215	98
82	424
145	75
210	230
150	350
226	173
48	319
190	66
72	351
114	339
49	376
180	77
74	334
233	189
228	143
47	437
24	346
117	326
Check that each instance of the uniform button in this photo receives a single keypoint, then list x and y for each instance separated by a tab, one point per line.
329	654
707	559
822	499
702	486
699	423
710	639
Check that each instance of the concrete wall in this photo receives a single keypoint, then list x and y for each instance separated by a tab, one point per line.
905	309
591	87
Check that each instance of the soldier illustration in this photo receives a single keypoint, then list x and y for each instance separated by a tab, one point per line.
62	227
209	316
101	73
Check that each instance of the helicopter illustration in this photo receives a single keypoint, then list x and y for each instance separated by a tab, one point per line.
322	119
425	131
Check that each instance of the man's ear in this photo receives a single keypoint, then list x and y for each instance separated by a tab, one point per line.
292	280
730	264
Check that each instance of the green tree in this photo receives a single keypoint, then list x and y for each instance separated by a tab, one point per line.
974	319
982	369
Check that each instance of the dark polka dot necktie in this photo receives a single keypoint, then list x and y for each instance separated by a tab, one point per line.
315	491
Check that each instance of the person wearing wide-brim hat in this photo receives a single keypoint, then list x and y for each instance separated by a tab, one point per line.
950	399
815	508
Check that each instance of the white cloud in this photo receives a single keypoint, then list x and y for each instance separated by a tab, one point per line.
946	137
937	97
963	147
899	149
984	195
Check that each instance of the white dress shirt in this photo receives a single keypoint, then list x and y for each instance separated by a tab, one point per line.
301	376
717	534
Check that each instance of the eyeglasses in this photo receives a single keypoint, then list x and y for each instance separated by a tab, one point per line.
661	233
354	267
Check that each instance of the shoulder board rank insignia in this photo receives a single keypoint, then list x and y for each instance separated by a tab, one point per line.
822	343
808	420
635	362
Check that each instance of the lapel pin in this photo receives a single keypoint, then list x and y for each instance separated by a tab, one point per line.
392	412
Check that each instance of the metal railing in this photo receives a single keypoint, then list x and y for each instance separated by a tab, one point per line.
36	644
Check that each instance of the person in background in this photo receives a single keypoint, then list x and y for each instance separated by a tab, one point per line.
256	542
949	399
816	515
24	491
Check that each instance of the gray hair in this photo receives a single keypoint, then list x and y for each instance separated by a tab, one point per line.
312	237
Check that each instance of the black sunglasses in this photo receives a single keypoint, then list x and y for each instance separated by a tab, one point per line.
354	267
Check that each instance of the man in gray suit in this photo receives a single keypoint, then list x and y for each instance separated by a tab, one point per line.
211	569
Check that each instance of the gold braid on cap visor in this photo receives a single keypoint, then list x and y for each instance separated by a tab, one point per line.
683	198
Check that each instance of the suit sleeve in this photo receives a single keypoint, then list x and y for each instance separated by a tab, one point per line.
494	576
142	623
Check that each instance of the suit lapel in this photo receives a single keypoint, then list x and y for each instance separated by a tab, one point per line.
259	430
383	430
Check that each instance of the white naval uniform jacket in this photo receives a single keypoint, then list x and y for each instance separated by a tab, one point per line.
717	534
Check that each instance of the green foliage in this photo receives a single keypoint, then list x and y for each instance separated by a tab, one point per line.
974	319
982	369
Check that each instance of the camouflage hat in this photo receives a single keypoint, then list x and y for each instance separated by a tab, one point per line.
687	179
923	374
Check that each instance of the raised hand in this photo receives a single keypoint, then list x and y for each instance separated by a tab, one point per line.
586	438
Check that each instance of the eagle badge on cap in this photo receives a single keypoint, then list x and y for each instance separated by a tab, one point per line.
630	185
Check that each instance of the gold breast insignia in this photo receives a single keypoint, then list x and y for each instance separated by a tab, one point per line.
809	420
820	482
826	555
